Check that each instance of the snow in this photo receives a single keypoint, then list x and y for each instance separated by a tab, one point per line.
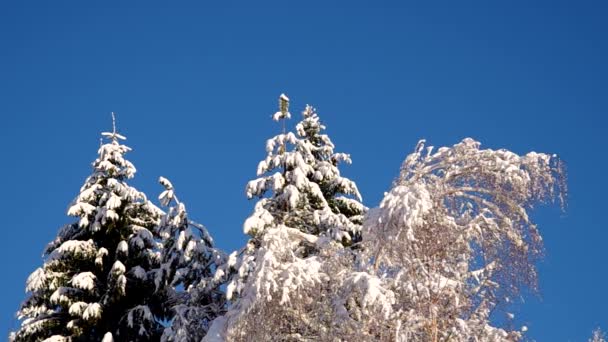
121	284
181	240
36	281
191	246
140	317
111	215
92	312
280	115
108	337
216	331
114	202
165	182
166	197
105	165
262	167
113	135
101	253
137	242
138	272
83	222
292	196
142	310
232	259
122	248
74	248
81	208
84	281
118	268
78	308
143	234
61	295
409	205
88	194
372	290
258	220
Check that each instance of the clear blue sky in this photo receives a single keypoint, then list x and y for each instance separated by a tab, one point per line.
194	87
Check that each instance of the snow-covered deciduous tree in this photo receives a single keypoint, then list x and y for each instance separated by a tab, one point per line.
306	212
95	282
187	272
598	336
451	243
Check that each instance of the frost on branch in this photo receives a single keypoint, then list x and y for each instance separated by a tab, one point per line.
95	270
452	239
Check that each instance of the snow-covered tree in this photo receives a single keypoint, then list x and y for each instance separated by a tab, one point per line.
598	336
451	243
95	282
302	184
301	219
341	219
187	270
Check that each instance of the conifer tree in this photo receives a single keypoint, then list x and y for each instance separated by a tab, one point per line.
187	272
95	282
343	221
299	216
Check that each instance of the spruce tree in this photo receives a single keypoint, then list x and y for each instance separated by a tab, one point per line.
297	225
95	282
343	221
300	184
187	274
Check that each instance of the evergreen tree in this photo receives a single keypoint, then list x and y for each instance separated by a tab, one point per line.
95	282
187	270
343	221
280	274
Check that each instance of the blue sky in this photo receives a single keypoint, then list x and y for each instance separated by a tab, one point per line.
194	86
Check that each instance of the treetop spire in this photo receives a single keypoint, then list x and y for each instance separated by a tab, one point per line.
113	123
283	112
114	136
